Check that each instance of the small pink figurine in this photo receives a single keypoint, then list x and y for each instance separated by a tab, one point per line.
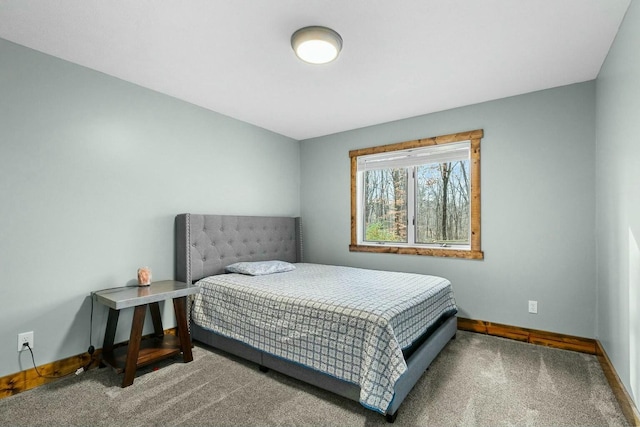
144	276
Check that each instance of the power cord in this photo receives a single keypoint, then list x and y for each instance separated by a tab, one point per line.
91	348
93	295
36	366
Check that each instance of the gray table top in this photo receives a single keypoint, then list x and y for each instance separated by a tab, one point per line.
132	296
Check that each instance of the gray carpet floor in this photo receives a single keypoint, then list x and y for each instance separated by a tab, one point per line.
477	380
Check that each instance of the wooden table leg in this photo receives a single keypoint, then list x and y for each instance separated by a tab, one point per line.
110	332
154	307
179	307
134	345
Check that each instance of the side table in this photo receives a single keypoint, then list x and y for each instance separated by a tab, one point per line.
140	352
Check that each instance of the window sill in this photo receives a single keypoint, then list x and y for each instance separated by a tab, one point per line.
438	252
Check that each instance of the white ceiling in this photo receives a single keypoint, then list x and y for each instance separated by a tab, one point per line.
400	58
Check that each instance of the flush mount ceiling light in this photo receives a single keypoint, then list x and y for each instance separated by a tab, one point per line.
316	45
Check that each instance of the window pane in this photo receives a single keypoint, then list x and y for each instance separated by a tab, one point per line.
385	205
443	203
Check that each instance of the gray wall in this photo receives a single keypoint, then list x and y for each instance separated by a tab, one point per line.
93	172
618	202
538	211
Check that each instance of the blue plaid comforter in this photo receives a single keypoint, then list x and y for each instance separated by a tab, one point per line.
347	322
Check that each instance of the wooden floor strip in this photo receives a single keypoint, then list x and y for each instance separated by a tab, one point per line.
533	336
29	378
565	342
624	399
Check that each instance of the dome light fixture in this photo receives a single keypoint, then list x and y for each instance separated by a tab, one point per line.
316	45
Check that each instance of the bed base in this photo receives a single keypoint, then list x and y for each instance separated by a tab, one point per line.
244	238
416	364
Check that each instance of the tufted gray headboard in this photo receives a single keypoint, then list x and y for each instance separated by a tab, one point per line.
206	244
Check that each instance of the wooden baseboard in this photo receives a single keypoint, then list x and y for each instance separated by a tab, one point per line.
624	399
29	378
565	342
533	336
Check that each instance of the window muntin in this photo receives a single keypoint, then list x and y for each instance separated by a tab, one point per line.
437	211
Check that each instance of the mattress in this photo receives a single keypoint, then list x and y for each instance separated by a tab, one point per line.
346	322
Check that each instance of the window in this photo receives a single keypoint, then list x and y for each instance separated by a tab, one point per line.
418	197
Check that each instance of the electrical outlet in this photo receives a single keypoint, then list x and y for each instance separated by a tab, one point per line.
24	338
533	307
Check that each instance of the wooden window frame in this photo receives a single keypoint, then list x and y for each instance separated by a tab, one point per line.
475	251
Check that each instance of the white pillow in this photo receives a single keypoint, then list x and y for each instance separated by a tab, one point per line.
260	268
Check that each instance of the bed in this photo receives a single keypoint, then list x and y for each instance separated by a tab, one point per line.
343	329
